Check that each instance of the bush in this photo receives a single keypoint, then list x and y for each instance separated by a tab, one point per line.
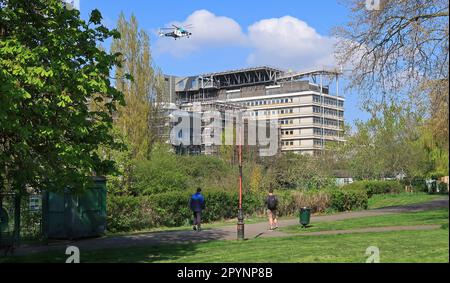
419	185
318	201
128	213
375	187
346	200
443	188
158	175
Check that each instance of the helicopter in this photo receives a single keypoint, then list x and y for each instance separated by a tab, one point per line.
176	32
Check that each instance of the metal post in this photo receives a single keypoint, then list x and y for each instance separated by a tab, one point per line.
17	199
1	208
240	225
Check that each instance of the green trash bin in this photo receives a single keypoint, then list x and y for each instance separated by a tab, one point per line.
305	216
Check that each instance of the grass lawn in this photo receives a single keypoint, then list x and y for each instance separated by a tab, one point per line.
378	201
439	217
404	246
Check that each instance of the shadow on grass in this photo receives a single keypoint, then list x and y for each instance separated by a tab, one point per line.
150	247
431	205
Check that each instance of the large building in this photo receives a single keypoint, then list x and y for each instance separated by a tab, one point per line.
308	106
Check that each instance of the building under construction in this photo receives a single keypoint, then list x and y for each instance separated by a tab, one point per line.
307	105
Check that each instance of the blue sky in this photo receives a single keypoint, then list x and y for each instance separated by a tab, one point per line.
234	34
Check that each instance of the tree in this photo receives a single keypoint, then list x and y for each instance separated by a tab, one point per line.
388	144
399	47
139	120
399	54
296	171
50	68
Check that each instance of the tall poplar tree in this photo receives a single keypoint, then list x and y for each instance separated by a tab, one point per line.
139	120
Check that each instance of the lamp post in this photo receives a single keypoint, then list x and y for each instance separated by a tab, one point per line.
240	225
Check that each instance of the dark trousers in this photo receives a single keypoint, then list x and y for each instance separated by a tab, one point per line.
197	218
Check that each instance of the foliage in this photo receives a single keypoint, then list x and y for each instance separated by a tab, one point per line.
159	174
133	119
256	179
392	143
399	56
141	122
127	213
375	187
395	49
342	200
50	67
295	171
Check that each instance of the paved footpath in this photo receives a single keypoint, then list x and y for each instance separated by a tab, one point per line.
229	232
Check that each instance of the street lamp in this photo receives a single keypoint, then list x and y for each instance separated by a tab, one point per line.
240	225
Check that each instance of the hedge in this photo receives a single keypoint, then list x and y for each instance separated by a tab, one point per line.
129	213
375	187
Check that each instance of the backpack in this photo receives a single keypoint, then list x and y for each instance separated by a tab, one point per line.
272	202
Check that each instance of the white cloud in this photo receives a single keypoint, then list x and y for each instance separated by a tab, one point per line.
289	43
209	31
285	42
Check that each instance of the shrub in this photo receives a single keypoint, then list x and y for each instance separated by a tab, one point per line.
127	213
419	185
158	175
318	201
375	187
443	188
346	200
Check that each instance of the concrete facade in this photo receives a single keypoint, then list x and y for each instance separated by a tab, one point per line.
309	113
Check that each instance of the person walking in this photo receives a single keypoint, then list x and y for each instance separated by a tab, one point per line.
197	205
272	205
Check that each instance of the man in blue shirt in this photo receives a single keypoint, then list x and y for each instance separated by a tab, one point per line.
197	204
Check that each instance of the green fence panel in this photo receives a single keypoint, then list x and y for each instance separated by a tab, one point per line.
71	216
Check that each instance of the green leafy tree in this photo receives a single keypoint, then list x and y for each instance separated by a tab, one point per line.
50	68
139	119
388	145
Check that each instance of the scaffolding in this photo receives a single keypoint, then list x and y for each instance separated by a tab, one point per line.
216	90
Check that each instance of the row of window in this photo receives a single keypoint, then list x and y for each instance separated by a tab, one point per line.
272	112
316	109
286	122
291	143
318	142
325	132
326	111
328	101
267	102
316	99
288	143
288	133
328	122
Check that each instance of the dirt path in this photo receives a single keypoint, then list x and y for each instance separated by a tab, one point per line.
229	233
